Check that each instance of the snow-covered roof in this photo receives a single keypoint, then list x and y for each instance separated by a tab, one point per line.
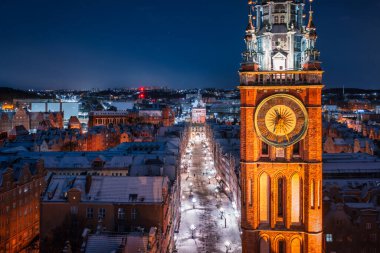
108	189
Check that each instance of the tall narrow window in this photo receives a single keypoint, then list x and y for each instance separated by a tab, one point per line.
281	246
133	214
282	19
319	194
296	246
296	199
312	190
243	192
296	149
264	149
264	197
250	192
276	19
280	197
264	245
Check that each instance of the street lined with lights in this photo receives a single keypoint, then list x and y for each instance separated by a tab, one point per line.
209	221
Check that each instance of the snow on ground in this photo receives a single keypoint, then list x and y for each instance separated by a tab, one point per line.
215	220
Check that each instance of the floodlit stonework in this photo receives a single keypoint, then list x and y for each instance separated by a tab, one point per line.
281	168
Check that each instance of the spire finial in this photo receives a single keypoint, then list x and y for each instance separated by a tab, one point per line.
250	26
311	25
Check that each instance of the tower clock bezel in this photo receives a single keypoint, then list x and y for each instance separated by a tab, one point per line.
298	136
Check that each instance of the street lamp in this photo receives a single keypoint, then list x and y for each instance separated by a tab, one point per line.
194	200
192	228
221	212
228	246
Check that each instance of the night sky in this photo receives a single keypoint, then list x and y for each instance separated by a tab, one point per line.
85	44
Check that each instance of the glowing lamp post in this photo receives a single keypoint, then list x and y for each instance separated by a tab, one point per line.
221	212
228	246
194	200
192	228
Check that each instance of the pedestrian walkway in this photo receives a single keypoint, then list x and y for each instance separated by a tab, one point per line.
209	223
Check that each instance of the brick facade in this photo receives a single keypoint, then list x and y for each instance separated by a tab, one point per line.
297	227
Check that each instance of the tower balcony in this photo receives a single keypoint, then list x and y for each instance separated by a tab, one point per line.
280	78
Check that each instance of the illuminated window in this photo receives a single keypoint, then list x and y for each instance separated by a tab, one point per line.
329	238
264	197
296	199
312	194
121	213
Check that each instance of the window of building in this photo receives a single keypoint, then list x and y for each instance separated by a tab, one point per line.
74	210
296	149
276	19
90	213
280	197
264	149
121	213
282	19
368	226
373	237
133	214
329	238
101	213
281	247
132	197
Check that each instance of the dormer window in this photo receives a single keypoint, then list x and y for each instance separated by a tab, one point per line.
132	197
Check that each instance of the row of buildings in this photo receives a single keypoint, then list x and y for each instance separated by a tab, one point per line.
94	201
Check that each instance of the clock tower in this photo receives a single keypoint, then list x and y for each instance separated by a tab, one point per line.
281	130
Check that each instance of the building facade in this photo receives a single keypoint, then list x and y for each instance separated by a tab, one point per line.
281	131
22	183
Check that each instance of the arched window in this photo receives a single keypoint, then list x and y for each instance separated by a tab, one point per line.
296	246
264	197
264	245
280	197
282	19
276	19
281	246
296	199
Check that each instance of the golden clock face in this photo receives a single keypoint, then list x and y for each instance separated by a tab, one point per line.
281	120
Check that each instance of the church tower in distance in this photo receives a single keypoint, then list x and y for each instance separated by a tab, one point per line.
281	130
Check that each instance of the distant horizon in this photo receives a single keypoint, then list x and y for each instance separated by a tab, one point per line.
95	44
155	86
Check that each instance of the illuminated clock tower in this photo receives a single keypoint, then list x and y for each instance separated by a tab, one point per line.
281	130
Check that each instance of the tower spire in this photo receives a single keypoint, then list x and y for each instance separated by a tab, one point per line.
310	24
250	54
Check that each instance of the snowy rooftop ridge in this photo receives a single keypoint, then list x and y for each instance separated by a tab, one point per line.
108	189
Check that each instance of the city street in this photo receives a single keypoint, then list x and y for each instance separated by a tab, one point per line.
209	222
